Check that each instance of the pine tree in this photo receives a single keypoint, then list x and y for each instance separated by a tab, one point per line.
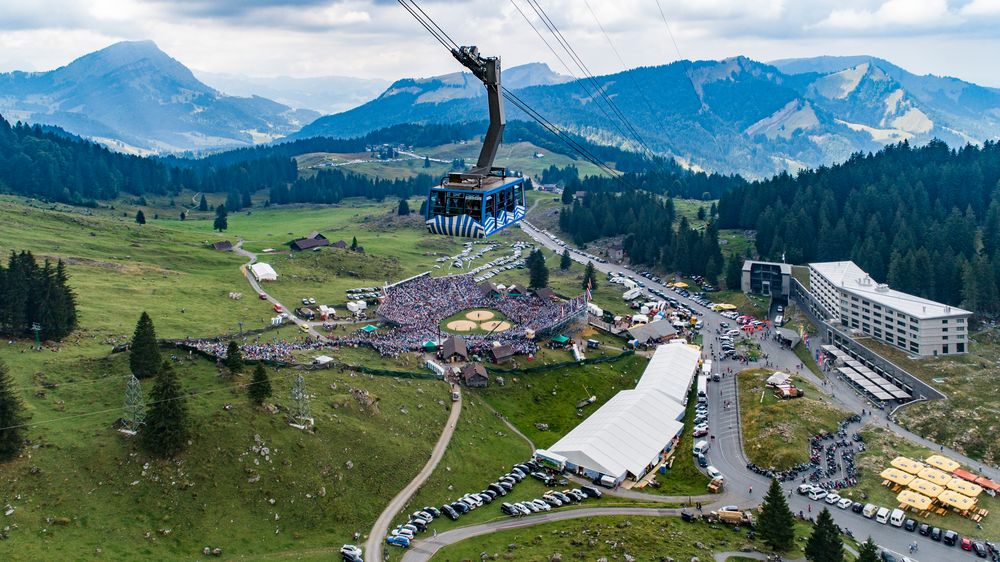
567	196
427	162
203	203
777	523
11	417
144	353
538	272
404	207
566	261
260	385
868	551
221	218
234	358
423	208
165	431
140	217
701	213
183	215
354	243
590	277
824	544
734	273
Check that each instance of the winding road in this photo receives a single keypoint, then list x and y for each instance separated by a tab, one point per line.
727	453
376	538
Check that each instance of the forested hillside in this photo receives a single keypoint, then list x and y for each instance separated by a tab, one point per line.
926	220
646	222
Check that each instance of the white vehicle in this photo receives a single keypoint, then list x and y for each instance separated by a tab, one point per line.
869	510
882	515
817	494
351	550
844	503
897	517
832	498
714	473
804	489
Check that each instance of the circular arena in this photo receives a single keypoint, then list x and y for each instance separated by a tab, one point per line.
477	321
425	308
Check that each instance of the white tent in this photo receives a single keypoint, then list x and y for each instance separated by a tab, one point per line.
777	379
624	436
671	371
263	272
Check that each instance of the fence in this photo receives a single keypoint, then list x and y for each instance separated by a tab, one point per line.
551	366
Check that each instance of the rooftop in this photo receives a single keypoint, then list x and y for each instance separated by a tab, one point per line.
487	184
851	278
786	269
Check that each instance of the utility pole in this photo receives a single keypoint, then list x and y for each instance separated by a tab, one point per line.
134	408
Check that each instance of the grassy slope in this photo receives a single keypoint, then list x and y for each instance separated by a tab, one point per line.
645	538
110	499
777	432
972	384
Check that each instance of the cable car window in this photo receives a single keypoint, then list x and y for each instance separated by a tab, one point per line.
438	202
510	200
491	206
456	204
519	194
474	206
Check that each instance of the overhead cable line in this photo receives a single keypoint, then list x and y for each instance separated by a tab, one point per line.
442	37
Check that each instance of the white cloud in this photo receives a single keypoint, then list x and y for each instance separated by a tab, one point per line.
892	14
981	8
378	39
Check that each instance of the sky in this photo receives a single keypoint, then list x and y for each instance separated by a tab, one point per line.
379	39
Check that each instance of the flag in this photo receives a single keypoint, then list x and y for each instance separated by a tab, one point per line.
589	285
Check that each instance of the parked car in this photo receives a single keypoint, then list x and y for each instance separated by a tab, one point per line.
936	534
980	549
966	544
857	507
450	512
910	525
844	503
804	489
398	541
817	494
950	537
924	529
832	498
591	491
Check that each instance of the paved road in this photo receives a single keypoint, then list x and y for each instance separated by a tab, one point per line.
376	538
425	548
727	454
245	268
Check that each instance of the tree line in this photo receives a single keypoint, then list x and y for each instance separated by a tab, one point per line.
924	219
332	186
31	294
645	223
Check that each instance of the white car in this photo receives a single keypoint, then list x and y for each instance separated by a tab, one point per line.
804	489
714	473
351	550
844	503
817	494
832	498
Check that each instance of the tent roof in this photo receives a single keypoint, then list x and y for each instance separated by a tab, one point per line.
625	434
652	331
560	339
671	371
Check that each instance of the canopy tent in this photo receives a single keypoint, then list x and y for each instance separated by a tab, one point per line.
777	379
965	488
964	475
926	488
671	370
956	500
724	306
934	476
897	476
914	500
369	329
430	346
560	339
907	464
681	285
987	483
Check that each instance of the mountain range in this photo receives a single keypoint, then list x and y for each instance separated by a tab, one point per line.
733	115
133	97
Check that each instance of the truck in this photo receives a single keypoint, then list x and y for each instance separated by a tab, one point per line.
732	517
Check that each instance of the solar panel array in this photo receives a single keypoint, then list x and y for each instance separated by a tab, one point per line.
866	379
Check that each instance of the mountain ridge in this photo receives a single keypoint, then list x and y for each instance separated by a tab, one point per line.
733	115
134	97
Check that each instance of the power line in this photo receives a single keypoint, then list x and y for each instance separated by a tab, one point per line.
670	32
583	67
428	23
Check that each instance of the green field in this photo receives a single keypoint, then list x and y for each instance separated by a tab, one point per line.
776	432
972	384
611	538
84	489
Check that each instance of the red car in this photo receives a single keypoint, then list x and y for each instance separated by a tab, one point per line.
263	296
277	308
966	543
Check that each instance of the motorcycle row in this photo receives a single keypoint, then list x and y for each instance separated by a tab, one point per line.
830	454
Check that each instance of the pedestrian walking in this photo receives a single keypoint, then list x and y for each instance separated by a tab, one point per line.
751	490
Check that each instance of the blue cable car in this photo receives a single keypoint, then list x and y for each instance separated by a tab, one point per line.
454	209
484	200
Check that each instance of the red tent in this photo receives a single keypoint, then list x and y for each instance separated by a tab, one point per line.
964	475
987	484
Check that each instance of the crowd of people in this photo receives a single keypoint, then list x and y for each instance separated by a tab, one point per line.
412	312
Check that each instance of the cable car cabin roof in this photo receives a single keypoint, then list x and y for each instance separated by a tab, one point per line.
489	184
